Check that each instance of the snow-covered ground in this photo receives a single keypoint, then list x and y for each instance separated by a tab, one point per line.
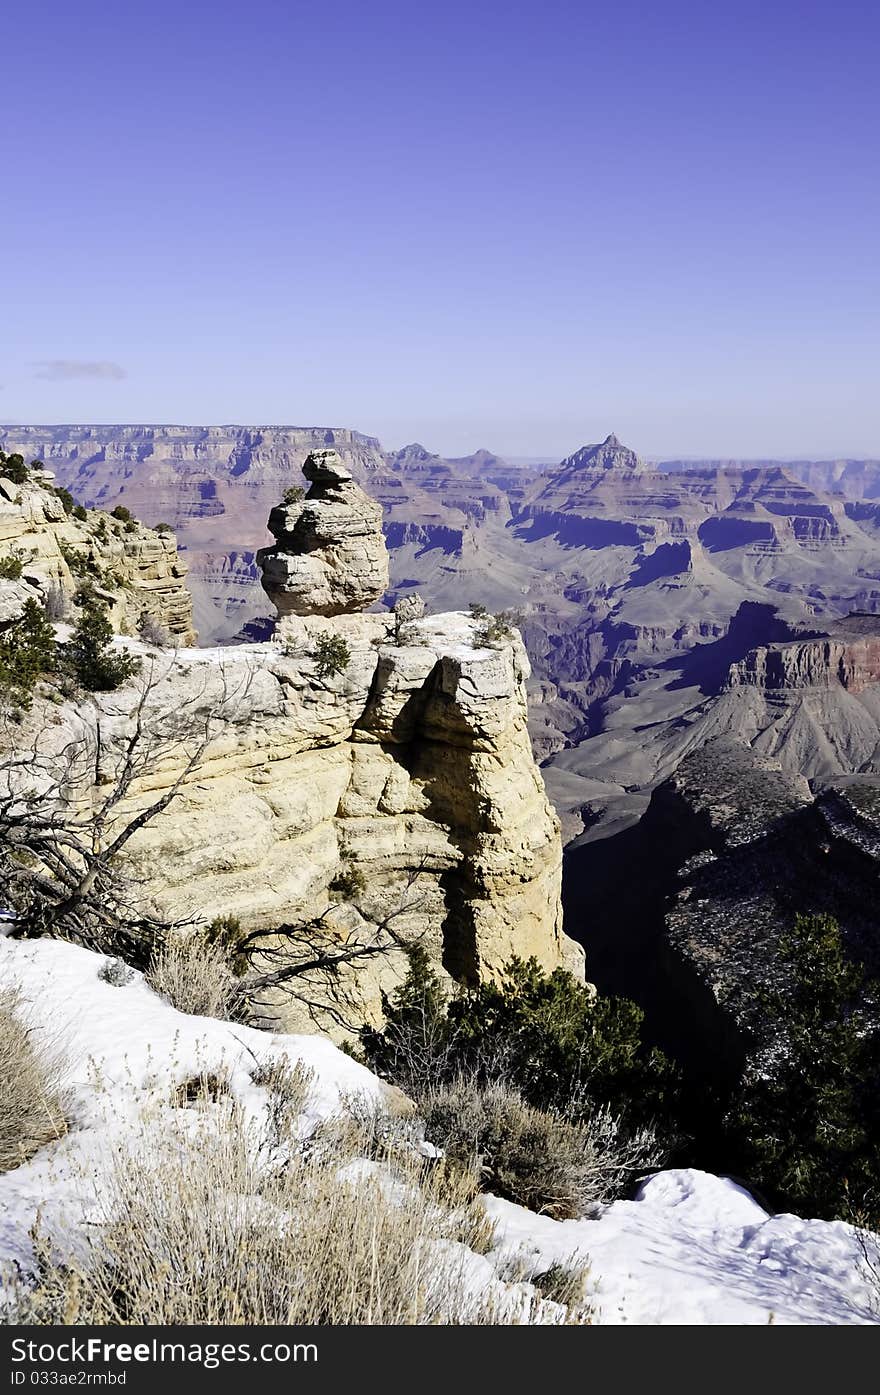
692	1248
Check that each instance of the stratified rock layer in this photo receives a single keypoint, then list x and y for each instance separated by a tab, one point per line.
412	766
137	571
330	556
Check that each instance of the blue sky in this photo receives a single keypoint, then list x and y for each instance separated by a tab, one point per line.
519	226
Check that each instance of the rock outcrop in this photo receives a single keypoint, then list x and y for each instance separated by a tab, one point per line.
330	556
848	657
731	849
411	766
137	571
361	770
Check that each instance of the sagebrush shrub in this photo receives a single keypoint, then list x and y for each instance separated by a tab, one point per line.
195	1226
115	972
31	1111
152	631
533	1156
194	975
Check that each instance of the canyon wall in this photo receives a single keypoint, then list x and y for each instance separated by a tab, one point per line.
357	772
136	570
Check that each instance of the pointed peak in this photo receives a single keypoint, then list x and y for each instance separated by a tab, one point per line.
609	454
414	451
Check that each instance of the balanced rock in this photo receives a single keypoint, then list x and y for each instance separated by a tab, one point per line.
411	607
329	556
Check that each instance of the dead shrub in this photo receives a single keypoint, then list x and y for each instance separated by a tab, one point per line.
198	1090
193	1229
31	1111
193	975
532	1156
288	1084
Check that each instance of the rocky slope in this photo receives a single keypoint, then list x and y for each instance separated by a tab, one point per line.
765	803
138	571
397	781
732	847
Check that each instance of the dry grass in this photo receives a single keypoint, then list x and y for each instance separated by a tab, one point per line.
195	1230
194	976
288	1084
531	1156
31	1113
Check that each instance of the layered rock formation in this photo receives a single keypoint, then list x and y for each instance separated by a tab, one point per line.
848	656
731	849
396	780
136	570
630	581
330	556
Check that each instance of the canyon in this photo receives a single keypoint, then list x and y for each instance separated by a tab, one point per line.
634	585
388	796
725	607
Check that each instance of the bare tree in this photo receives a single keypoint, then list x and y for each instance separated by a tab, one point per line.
67	816
313	964
62	866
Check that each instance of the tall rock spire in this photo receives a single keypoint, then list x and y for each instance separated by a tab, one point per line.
329	557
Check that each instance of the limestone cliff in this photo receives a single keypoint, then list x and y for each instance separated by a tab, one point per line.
849	656
137	570
330	556
395	777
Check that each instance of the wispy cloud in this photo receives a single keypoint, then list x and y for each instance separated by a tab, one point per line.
59	370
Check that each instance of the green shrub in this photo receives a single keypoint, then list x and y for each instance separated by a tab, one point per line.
80	563
164	528
493	630
226	931
477	611
66	498
331	654
806	1124
130	525
293	494
551	1037
348	884
13	468
11	568
122	514
80	513
89	655
27	651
